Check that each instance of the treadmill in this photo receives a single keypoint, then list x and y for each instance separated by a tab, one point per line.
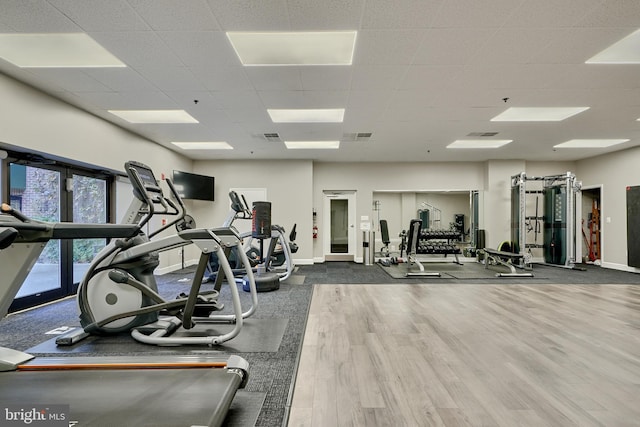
157	391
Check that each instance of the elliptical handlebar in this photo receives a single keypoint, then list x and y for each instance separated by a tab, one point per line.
247	210
147	190
240	207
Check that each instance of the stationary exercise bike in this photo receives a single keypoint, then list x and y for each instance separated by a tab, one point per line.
119	291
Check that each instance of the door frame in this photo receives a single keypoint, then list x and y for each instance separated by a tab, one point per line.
582	215
350	197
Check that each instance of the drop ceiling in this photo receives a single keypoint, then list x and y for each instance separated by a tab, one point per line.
425	73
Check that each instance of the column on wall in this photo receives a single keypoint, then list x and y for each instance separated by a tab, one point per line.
409	210
497	199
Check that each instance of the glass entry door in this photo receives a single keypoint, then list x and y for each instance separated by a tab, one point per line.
36	193
89	206
57	194
339	225
339	232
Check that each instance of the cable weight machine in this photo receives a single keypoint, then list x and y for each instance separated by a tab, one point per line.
554	218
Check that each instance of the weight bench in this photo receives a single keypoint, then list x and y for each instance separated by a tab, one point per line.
412	250
384	230
510	260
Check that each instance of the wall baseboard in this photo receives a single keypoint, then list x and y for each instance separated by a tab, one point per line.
188	263
175	267
620	267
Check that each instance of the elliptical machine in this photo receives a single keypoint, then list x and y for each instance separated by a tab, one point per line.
119	291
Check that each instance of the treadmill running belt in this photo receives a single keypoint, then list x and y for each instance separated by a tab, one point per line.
158	398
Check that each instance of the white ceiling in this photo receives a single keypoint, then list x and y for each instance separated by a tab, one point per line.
425	73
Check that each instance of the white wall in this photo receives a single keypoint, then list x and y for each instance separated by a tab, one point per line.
614	172
289	186
39	122
497	200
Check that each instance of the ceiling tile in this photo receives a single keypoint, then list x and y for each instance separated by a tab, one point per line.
386	47
236	98
129	100
72	80
511	76
474	14
514	45
426	72
251	15
171	78
461	45
380	14
200	48
304	99
142	48
120	79
550	13
222	77
368	99
324	15
325	78
429	76
613	13
274	78
171	15
34	17
376	77
99	15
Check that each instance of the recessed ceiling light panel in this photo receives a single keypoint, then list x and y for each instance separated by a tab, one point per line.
154	116
537	114
625	51
57	50
479	143
590	143
326	115
221	145
294	48
312	145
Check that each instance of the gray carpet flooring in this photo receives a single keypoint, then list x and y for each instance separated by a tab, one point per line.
272	361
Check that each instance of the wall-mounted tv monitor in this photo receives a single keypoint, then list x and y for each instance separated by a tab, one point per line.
194	186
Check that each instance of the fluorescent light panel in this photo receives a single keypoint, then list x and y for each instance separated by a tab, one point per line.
57	50
479	143
590	143
294	48
154	116
327	115
625	51
219	145
312	145
537	114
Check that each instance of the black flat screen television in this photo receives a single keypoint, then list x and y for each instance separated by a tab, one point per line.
194	186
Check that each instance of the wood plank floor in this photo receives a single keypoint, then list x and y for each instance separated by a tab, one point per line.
470	355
